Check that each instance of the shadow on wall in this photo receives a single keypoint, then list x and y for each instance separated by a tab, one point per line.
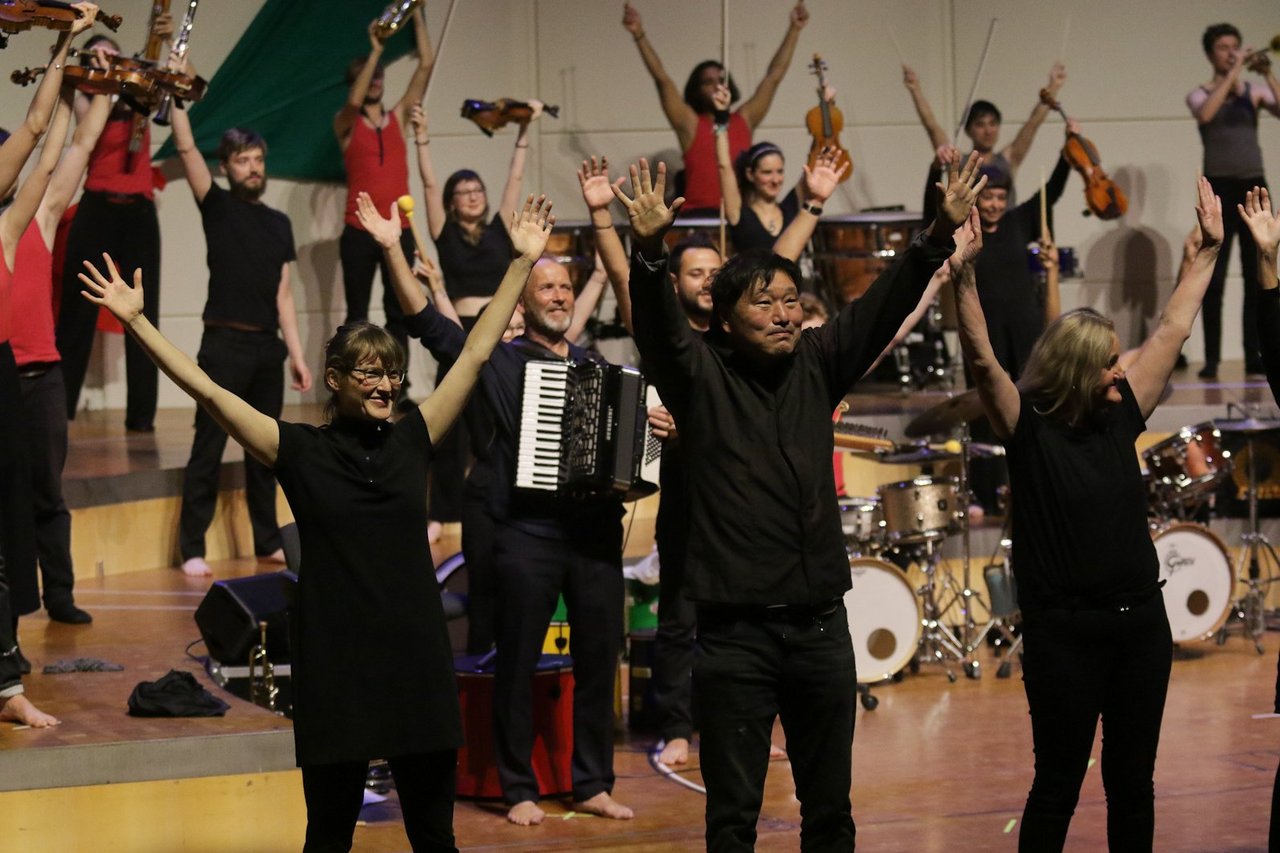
1135	257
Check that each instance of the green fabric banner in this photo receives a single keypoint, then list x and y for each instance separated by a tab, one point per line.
284	79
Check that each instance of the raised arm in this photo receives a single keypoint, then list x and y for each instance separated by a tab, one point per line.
1267	99
18	147
417	87
999	395
515	173
682	117
818	183
346	119
529	232
70	170
386	232
426	271
1150	372
937	136
757	106
1017	150
597	192
287	313
431	188
194	166
1264	224
587	300
17	216
1205	105
257	433
724	162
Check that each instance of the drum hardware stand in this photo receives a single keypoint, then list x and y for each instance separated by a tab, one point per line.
1250	610
938	644
966	595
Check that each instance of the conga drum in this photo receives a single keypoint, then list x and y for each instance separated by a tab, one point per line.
851	250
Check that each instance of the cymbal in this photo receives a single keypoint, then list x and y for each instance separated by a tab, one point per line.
1244	425
946	416
915	455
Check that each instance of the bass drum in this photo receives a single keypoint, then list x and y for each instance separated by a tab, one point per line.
1199	580
884	619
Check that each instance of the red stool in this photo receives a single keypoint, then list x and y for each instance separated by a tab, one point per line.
552	727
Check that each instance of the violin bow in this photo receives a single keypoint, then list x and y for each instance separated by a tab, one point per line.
977	78
444	33
724	63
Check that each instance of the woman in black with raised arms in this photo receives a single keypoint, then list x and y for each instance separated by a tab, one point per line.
372	667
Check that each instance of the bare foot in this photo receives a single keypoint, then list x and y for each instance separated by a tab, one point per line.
434	531
603	805
776	753
276	556
526	813
675	751
196	567
18	709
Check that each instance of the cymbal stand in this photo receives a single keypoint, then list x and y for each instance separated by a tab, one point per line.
966	595
1250	609
938	644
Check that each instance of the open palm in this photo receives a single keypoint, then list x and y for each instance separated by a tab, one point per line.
112	292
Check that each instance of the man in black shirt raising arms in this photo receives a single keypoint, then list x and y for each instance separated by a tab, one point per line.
766	564
250	248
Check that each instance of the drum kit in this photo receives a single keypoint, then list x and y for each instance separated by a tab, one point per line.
895	625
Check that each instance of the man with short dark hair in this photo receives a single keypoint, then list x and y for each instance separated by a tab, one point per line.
766	565
249	250
1226	110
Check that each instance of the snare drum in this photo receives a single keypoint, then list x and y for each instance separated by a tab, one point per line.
863	524
884	619
921	510
1199	580
1187	465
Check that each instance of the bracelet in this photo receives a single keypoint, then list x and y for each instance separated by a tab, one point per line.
422	142
602	227
518	145
810	207
640	36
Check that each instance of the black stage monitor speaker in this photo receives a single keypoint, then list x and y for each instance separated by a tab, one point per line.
229	615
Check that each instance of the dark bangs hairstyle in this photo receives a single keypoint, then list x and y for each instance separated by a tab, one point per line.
353	343
746	272
693	91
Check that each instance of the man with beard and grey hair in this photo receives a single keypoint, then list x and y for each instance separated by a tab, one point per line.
543	544
249	250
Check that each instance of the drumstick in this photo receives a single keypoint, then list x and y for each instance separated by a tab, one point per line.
431	75
405	203
1066	31
977	77
724	63
1044	220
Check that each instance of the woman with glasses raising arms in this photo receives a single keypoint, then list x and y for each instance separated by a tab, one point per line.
372	666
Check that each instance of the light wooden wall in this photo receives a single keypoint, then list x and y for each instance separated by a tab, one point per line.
1130	66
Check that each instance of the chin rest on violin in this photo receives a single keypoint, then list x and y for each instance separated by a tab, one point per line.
494	115
19	15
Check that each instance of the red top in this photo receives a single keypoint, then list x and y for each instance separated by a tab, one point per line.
31	299
6	314
701	175
377	163
113	168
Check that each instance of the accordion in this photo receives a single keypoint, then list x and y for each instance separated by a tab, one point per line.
584	430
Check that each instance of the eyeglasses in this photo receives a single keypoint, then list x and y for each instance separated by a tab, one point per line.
374	376
465	193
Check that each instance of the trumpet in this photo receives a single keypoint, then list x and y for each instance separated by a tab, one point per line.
393	17
1257	60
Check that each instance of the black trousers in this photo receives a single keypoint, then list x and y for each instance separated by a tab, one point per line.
1080	665
674	643
750	669
478	529
361	256
425	784
17	544
44	411
1232	192
532	572
130	233
248	364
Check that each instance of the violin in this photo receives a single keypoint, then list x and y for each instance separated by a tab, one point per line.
135	80
1104	198
494	115
825	121
19	15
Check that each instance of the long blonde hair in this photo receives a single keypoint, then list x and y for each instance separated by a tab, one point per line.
1062	371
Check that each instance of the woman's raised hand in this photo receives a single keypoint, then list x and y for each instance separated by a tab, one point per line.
112	292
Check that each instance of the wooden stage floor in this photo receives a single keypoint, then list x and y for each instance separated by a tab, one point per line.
937	766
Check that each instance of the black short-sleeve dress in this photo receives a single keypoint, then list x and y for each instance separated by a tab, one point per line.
372	666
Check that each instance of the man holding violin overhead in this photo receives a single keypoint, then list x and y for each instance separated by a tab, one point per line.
373	150
1226	110
982	126
694	117
116	214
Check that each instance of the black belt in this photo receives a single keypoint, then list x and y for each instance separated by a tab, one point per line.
120	198
36	368
794	614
